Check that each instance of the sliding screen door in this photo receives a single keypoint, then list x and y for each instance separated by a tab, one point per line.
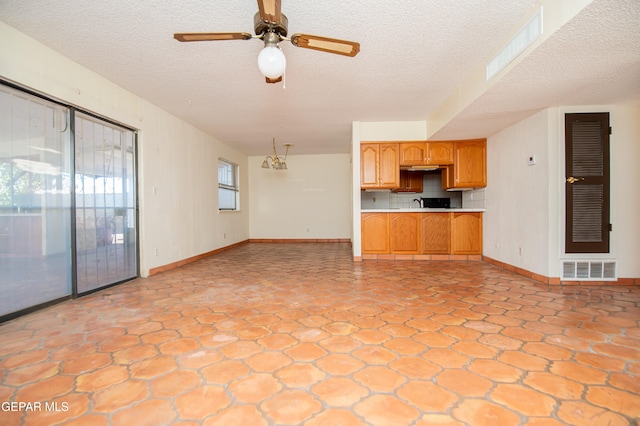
105	203
35	201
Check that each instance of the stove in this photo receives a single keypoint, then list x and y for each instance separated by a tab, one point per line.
436	203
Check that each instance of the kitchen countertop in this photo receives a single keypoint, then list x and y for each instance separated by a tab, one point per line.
421	210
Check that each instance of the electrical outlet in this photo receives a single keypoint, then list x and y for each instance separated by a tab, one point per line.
155	251
520	251
224	236
531	160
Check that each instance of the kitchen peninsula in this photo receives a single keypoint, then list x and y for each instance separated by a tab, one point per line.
422	232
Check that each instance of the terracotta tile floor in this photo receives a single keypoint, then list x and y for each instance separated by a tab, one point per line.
293	334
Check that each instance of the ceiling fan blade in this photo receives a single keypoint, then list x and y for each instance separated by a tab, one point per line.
273	80
211	36
270	10
325	44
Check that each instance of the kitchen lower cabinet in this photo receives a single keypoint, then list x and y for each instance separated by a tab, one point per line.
422	233
436	233
375	233
404	233
466	233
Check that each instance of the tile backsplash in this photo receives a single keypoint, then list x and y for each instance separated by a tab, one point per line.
474	199
432	188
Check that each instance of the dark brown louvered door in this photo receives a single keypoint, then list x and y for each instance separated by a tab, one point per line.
587	182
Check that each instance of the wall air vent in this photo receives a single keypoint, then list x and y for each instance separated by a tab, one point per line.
523	39
589	270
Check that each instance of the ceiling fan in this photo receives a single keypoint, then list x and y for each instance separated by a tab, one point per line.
270	25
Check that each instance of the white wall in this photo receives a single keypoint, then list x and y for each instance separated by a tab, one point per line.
525	204
181	219
309	200
393	131
517	196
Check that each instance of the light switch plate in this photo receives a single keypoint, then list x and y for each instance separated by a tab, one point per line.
531	160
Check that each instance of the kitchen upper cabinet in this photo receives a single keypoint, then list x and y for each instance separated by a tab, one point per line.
466	233
469	169
426	153
413	153
410	181
375	233
436	233
439	153
389	165
369	158
379	165
404	233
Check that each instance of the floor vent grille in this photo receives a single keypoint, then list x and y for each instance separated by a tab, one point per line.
589	270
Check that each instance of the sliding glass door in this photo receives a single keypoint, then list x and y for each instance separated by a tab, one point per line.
68	211
35	201
105	208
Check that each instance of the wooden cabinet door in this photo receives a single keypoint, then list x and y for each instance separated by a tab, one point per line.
416	181
447	178
369	153
470	165
379	165
413	153
375	233
389	166
439	153
436	233
410	182
466	233
405	233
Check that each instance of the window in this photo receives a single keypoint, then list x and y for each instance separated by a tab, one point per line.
227	185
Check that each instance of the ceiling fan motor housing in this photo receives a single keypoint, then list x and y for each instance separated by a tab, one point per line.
262	27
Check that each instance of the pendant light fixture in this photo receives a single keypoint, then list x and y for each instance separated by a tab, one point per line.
273	161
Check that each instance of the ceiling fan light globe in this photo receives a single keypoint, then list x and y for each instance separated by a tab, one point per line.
271	62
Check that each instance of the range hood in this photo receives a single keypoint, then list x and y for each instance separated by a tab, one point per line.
421	168
376	189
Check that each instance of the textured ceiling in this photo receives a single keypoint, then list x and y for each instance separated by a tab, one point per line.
414	55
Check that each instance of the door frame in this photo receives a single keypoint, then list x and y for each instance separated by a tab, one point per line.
571	181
